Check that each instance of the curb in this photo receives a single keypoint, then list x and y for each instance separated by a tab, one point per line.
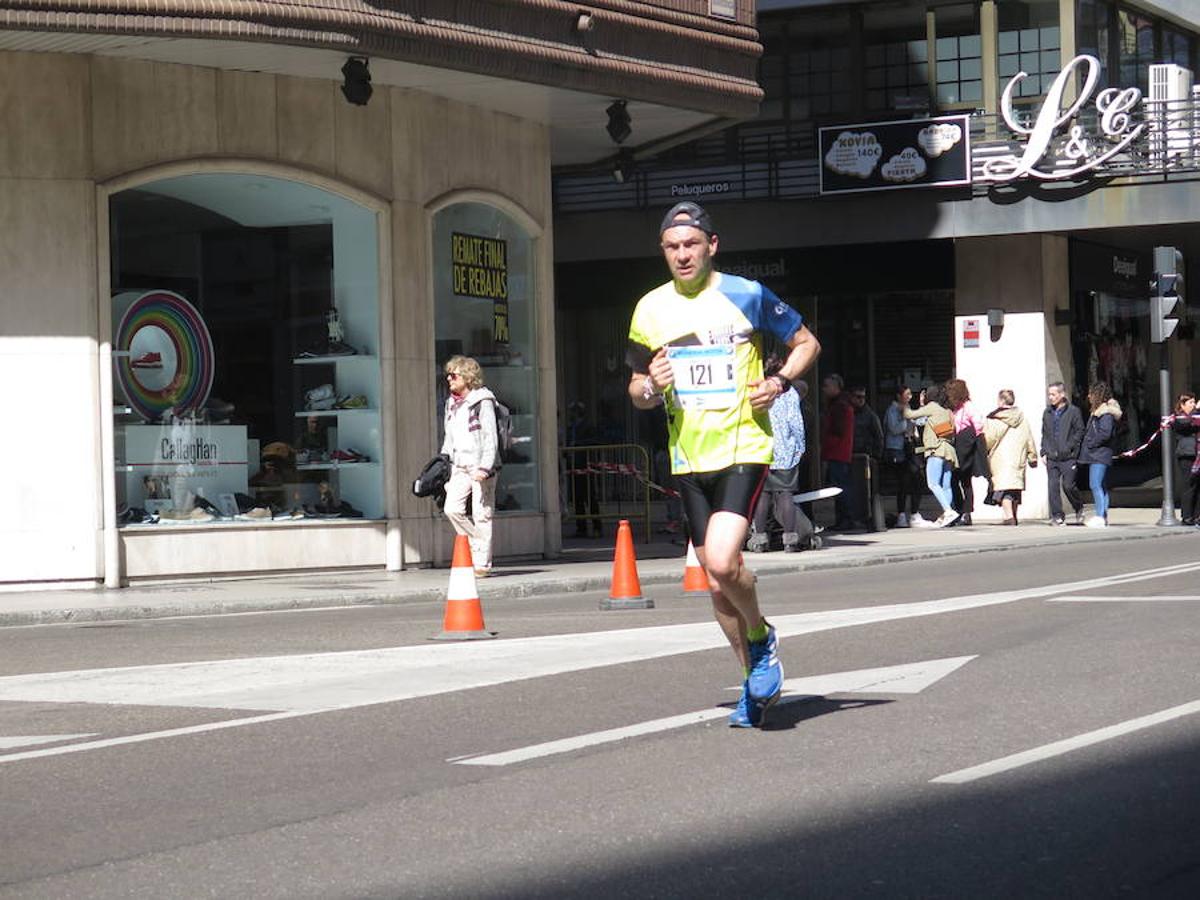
517	590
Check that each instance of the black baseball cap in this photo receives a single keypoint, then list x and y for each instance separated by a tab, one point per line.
688	213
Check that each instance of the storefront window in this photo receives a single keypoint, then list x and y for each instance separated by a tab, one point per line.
484	301
1092	35
896	61
1029	42
1177	47
245	318
1110	335
1135	44
805	68
959	53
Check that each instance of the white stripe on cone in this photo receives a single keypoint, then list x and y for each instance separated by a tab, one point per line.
693	561
462	584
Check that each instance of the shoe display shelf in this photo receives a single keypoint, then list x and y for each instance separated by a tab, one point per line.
516	388
331	360
359	483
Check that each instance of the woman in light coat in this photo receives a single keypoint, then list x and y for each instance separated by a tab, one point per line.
471	444
937	446
1010	449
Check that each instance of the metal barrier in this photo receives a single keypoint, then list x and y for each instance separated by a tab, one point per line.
871	499
605	482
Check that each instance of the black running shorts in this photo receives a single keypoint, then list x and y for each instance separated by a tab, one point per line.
734	490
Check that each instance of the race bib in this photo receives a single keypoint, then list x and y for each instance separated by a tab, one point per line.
704	376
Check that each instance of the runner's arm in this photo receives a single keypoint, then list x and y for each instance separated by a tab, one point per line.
804	352
646	386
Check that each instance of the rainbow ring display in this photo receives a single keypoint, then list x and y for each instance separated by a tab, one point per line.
188	388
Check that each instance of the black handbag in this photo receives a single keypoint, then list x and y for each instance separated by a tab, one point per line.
432	480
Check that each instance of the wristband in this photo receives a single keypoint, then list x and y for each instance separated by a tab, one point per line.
649	391
783	383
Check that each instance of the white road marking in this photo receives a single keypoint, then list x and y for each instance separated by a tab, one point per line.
566	745
1151	598
149	736
1058	748
26	740
910	678
325	682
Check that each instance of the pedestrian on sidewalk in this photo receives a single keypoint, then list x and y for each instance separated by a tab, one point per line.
837	445
783	479
968	446
1010	449
585	486
937	448
694	345
1062	436
471	444
899	449
1099	442
1187	489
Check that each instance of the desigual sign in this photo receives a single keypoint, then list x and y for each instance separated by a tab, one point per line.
1080	151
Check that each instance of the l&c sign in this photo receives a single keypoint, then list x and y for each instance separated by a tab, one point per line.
1085	151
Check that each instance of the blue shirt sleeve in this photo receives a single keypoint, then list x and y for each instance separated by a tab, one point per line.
765	311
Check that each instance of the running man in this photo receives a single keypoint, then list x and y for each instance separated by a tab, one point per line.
695	343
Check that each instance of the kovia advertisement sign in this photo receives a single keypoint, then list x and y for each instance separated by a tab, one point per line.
880	156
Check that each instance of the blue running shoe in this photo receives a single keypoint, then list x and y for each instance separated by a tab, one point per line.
747	713
766	671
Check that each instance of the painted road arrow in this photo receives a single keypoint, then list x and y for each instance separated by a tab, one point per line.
911	678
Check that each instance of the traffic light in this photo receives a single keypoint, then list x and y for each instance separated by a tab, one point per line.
1167	292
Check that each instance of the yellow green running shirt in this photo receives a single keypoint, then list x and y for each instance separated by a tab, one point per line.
715	346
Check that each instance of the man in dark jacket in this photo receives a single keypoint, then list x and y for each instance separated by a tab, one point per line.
1062	433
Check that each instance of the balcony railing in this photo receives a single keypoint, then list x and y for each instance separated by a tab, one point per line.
779	161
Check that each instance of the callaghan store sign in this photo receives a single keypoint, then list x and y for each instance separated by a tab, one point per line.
1052	142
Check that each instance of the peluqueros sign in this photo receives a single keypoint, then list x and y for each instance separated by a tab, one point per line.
1081	152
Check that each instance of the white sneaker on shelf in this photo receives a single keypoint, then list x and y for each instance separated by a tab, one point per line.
945	519
1095	522
901	520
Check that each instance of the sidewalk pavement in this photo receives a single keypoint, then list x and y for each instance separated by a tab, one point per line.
584	566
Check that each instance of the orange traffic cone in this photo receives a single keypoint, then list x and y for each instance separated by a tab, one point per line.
695	579
626	590
464	615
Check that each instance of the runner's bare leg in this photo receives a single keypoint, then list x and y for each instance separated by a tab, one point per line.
734	598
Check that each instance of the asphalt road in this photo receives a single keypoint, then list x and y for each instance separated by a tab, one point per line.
1013	725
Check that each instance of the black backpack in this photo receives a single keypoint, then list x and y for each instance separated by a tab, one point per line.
504	431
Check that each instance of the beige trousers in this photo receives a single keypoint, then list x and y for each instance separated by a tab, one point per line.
478	526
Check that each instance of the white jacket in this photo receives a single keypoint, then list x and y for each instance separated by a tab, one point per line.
470	426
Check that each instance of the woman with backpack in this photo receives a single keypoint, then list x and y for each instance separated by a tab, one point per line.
471	443
1099	440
